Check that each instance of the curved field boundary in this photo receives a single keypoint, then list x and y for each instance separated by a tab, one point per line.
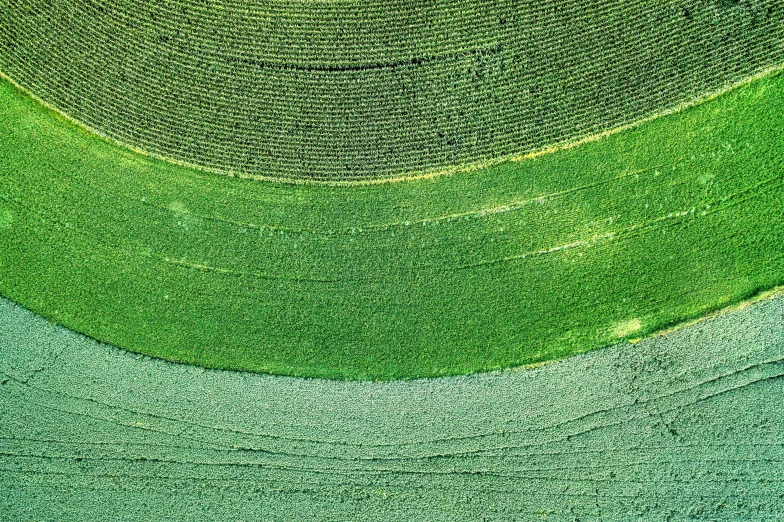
523	262
687	425
337	91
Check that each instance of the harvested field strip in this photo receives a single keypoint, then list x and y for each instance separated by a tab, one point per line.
522	262
686	424
375	90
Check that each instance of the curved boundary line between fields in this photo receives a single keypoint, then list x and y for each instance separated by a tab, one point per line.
416	175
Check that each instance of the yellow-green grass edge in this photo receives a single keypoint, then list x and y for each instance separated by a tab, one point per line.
415	175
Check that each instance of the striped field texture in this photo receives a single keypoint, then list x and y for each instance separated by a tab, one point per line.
687	426
358	90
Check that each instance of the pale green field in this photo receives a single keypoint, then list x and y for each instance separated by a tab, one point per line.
688	426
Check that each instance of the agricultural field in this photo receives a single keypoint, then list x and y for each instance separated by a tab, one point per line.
519	263
392	260
359	90
687	426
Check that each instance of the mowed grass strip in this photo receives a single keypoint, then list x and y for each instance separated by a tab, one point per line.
379	88
520	263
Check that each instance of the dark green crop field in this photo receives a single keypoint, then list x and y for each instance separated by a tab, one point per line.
522	262
375	88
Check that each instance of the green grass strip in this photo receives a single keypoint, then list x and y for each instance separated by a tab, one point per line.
523	262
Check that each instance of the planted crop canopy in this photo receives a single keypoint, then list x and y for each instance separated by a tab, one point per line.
515	257
359	90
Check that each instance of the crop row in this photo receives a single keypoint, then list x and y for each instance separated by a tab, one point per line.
266	90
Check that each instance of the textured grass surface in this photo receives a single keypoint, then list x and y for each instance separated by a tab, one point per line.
377	88
524	262
687	426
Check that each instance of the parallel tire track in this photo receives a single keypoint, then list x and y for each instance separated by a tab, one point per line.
687	425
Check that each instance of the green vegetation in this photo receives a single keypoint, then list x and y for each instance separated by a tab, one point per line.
687	425
522	262
375	88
